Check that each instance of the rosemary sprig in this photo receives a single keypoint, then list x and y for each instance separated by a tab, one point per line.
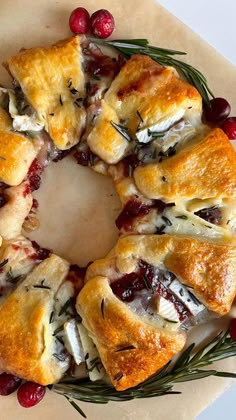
188	367
164	57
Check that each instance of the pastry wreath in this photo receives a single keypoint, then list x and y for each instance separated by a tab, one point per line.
178	191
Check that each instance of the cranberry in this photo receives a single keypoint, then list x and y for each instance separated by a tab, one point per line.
217	110
102	23
79	21
232	329
229	127
210	214
84	158
40	253
8	383
30	394
60	154
131	210
34	174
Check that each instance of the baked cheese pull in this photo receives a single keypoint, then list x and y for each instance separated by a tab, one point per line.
137	300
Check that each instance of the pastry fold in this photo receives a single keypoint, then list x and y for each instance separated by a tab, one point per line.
27	344
52	81
19	201
203	170
16	155
143	96
206	266
130	349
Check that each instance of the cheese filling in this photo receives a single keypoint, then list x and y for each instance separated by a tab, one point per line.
157	295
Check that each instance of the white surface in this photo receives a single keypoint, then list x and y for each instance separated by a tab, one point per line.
214	21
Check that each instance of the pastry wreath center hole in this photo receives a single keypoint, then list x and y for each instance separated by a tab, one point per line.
77	212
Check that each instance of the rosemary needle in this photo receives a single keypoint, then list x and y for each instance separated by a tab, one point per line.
188	367
164	57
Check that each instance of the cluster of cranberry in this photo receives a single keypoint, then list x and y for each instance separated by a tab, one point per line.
101	23
217	112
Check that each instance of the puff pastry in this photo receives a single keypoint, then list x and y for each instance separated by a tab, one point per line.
208	267
52	79
143	89
19	201
145	348
191	192
115	308
16	155
203	170
27	344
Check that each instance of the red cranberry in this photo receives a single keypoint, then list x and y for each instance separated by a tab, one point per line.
40	253
232	329
8	383
229	127
79	21
30	394
34	174
102	23
217	110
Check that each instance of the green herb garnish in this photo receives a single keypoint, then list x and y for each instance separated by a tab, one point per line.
66	305
165	57
125	349
122	131
188	367
102	307
4	262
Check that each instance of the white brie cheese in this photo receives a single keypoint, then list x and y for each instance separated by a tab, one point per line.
95	369
167	310
73	342
186	297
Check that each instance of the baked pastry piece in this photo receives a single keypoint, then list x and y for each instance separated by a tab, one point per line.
16	152
205	266
137	296
192	192
28	346
143	99
130	349
18	257
15	205
53	83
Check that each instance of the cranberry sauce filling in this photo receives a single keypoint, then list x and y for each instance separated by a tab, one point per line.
60	154
34	174
84	157
40	253
156	282
135	208
130	162
211	214
99	65
77	275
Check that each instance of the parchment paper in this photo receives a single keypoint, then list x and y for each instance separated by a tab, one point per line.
78	207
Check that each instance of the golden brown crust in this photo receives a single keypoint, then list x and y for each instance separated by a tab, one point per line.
16	155
206	169
14	212
46	76
154	91
5	120
104	140
210	268
26	340
117	327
